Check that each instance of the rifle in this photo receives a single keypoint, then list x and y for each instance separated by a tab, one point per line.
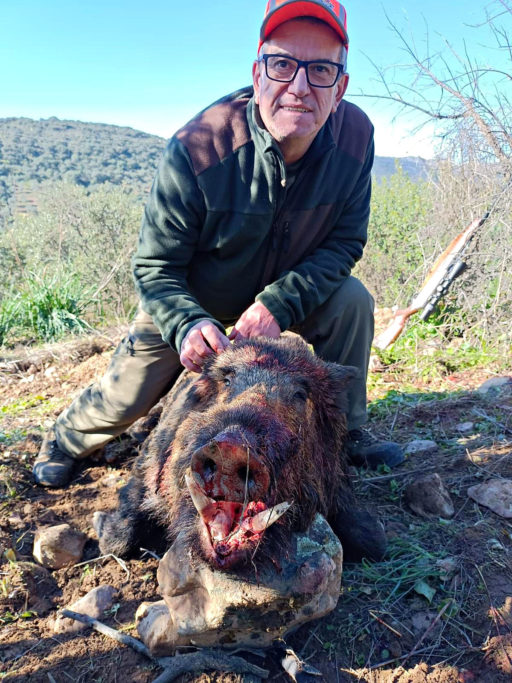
445	270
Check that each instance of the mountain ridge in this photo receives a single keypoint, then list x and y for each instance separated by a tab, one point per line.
34	151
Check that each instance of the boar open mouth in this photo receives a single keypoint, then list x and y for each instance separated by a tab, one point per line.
234	529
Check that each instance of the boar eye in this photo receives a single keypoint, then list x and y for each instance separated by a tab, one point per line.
227	381
301	395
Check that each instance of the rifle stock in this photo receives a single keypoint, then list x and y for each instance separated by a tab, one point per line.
395	328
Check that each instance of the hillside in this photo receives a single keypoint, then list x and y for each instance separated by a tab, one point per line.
87	154
91	154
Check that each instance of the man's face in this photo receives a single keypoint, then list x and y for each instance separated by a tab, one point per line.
294	112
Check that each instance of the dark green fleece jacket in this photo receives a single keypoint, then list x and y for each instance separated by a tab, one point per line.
221	228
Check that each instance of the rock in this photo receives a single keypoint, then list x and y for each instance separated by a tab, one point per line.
420	446
465	426
206	607
495	494
427	496
498	654
156	627
92	605
421	621
495	383
58	546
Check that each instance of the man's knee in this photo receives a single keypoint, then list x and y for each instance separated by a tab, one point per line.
353	296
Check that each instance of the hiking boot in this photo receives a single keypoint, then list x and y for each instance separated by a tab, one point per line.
52	467
364	450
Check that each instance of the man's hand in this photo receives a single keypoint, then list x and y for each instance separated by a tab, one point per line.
200	342
256	321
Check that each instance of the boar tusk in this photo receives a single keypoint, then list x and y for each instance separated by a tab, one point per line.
199	498
264	519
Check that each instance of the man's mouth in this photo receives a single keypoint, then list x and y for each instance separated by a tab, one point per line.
300	110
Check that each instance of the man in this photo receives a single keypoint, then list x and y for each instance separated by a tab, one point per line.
257	214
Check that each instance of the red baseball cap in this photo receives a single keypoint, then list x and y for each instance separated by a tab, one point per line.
279	11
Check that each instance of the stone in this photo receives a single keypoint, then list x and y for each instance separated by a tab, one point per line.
208	607
58	546
498	654
495	383
92	605
465	426
427	496
495	494
420	446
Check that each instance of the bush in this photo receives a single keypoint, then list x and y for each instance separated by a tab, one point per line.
46	309
89	234
394	256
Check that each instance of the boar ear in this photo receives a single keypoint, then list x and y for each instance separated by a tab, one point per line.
341	377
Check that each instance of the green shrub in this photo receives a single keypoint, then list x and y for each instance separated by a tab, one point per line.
394	255
48	308
91	234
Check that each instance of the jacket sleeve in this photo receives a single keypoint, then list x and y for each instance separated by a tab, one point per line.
168	237
297	292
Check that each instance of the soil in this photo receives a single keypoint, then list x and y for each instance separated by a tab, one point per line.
438	609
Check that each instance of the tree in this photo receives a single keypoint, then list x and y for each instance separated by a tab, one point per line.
469	100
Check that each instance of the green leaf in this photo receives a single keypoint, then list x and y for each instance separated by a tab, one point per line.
423	588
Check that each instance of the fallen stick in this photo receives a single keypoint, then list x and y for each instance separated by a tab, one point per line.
204	660
194	662
427	631
108	631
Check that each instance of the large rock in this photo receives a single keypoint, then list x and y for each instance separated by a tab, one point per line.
93	604
495	494
207	607
58	546
427	496
495	383
420	446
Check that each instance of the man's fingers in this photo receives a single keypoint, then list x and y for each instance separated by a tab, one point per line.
188	364
196	341
200	342
217	341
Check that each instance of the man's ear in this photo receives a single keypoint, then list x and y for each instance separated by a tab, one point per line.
256	78
341	89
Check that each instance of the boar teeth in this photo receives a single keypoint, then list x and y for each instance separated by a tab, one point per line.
199	498
264	519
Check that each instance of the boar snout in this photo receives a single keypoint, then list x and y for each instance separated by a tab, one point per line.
230	469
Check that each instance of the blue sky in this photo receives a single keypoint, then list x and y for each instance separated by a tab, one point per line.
153	65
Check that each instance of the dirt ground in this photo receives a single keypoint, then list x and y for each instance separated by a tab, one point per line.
438	609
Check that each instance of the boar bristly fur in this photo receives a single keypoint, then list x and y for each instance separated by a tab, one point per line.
264	424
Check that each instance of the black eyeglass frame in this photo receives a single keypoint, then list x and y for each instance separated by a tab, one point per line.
302	63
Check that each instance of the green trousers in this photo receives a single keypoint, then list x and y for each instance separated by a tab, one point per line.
144	368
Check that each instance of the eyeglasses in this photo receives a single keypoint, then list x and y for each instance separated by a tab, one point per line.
320	73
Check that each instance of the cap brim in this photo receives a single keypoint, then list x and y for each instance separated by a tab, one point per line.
294	10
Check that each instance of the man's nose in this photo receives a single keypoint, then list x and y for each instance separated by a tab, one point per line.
300	86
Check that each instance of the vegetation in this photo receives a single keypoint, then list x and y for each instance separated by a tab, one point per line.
90	155
69	264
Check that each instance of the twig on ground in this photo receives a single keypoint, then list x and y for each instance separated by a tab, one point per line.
145	551
430	627
108	631
404	473
206	660
119	561
381	621
194	662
